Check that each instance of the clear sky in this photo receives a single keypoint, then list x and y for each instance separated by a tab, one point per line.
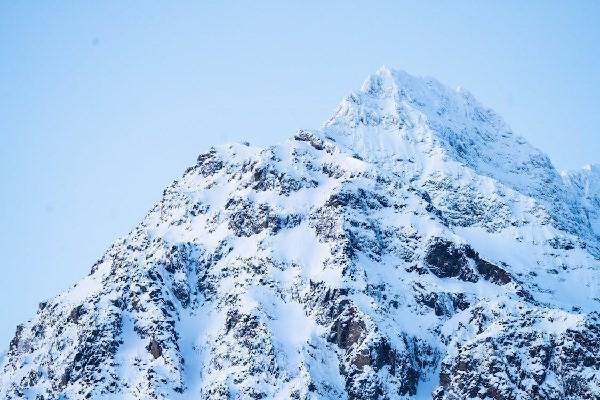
103	104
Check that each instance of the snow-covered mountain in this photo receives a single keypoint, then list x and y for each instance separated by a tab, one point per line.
414	247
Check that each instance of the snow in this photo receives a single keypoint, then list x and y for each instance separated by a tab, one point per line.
299	245
409	160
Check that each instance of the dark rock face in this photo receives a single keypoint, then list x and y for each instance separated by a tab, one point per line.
366	354
525	363
209	163
445	260
154	348
492	272
357	200
267	178
85	355
14	343
76	313
315	141
347	330
247	218
444	304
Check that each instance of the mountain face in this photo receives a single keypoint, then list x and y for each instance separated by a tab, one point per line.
586	185
414	247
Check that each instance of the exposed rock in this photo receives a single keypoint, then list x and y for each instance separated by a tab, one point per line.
154	348
446	260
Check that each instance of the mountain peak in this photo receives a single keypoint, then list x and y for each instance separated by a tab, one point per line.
384	76
422	91
373	259
592	168
396	116
396	100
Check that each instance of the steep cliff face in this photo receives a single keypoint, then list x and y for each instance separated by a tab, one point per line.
414	247
585	183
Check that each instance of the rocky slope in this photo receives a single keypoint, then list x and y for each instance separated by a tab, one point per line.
414	247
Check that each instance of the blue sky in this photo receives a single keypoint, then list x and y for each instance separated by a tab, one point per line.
102	105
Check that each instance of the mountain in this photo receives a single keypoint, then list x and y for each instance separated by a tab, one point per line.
413	247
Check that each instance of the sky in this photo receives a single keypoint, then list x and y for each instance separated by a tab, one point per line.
103	104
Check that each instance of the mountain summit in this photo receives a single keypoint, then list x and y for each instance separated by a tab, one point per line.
413	247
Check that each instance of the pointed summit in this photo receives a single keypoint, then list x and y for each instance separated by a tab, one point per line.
381	82
395	113
397	116
394	99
